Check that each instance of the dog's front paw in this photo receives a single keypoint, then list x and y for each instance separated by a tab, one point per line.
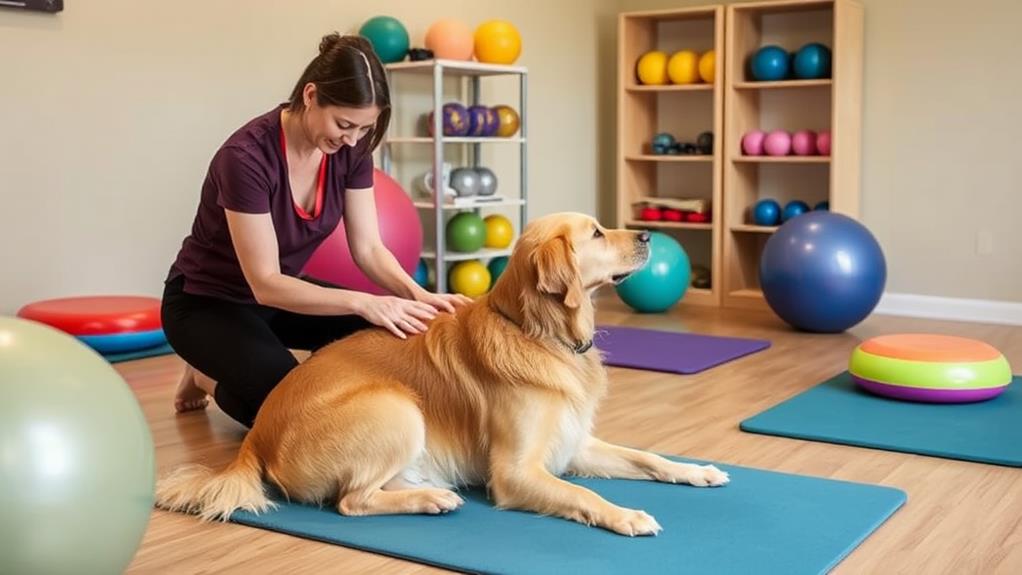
434	501
632	522
707	476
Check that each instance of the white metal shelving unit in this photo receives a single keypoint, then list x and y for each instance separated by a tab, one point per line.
472	73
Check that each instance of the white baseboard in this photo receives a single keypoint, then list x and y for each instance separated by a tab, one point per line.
949	308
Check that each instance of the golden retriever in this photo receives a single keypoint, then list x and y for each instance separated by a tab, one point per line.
501	394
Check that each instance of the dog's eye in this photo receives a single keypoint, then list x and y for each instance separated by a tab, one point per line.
597	234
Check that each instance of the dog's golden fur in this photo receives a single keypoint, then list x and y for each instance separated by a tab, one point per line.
501	394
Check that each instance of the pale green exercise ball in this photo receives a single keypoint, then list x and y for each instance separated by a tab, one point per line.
77	468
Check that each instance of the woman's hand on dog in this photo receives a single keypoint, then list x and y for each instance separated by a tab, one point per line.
398	315
443	301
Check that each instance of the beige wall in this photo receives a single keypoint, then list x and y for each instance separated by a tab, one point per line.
941	163
111	110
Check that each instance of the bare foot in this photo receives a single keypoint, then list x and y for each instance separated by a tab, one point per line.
190	396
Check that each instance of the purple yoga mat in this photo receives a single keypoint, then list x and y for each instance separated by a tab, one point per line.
669	351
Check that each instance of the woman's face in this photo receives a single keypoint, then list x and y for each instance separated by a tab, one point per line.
332	127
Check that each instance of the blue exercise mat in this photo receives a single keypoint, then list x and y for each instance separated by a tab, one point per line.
763	522
837	411
164	349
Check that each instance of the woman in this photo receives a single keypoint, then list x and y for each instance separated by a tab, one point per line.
234	304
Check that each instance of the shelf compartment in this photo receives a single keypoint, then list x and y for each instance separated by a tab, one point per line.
742	282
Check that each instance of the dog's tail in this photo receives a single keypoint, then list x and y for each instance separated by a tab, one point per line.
215	495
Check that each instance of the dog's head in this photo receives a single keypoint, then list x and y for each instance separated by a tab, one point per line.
557	264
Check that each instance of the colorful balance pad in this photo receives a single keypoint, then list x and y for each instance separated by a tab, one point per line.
108	324
930	368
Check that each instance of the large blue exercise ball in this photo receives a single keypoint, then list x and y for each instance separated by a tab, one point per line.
77	466
822	272
770	63
662	281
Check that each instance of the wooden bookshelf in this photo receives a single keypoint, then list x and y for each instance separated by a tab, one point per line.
833	104
684	111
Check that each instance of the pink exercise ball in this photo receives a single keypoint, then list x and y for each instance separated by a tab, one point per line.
400	229
752	143
803	143
777	143
823	143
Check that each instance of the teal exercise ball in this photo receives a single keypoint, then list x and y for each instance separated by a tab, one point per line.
421	276
660	283
496	267
76	457
388	37
770	64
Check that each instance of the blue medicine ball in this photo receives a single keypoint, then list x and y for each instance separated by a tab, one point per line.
794	208
766	213
822	272
421	276
770	63
812	61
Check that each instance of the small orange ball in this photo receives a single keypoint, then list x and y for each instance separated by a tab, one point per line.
450	39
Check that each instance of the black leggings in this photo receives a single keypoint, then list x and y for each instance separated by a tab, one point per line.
244	347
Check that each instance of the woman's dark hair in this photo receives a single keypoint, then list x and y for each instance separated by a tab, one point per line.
347	73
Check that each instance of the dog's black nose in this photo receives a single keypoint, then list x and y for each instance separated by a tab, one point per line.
644	237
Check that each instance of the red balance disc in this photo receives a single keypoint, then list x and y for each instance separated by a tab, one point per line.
96	315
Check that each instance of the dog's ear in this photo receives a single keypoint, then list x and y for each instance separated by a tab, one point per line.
557	271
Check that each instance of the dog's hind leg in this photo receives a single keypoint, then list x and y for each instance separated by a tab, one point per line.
392	434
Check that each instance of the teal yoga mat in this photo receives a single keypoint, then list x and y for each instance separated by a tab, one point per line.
763	522
837	411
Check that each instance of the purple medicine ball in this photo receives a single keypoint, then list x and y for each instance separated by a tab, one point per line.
477	121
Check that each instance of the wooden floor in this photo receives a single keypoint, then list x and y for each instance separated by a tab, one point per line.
961	518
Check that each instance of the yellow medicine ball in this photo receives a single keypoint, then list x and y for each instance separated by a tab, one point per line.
469	278
652	68
708	67
499	231
497	42
683	67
